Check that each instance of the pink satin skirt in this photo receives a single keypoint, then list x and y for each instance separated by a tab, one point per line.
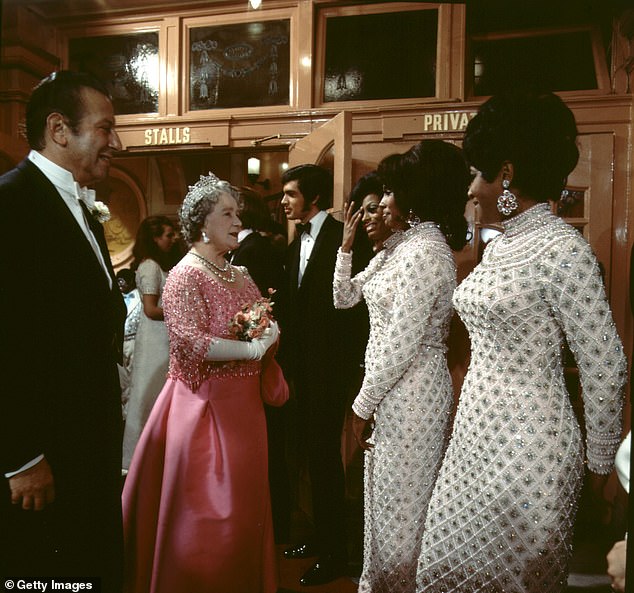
196	505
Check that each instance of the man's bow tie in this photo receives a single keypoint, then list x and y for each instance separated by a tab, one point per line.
87	196
302	228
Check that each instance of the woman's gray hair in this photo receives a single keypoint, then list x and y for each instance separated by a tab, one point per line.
199	202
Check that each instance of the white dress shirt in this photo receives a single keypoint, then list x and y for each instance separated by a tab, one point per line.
307	242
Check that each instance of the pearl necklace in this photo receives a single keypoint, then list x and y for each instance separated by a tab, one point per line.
217	270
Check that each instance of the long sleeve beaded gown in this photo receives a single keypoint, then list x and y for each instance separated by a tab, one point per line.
196	506
407	386
502	512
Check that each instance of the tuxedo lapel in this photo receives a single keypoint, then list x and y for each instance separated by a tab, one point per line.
294	250
53	204
321	243
97	231
70	234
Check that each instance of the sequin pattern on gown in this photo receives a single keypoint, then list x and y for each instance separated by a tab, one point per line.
204	311
502	512
407	288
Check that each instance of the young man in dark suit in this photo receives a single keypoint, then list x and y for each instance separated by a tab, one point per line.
322	349
61	314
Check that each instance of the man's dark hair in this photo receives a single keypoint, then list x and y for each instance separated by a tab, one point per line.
60	92
313	181
253	211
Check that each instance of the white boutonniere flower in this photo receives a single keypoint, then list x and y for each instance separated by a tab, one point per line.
101	212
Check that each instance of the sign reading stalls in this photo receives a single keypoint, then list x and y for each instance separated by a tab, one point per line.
161	136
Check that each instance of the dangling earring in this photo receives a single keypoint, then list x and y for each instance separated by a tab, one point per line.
205	237
412	219
507	202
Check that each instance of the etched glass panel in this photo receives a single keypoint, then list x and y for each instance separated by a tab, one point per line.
127	64
381	56
241	65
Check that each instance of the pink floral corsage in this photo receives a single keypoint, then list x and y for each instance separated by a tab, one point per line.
250	322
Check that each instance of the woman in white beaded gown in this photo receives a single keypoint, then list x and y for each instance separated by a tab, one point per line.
502	512
406	398
154	253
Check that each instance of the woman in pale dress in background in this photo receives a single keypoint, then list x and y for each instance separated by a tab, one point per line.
406	398
196	506
154	254
502	513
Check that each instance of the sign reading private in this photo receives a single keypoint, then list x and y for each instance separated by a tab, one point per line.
446	122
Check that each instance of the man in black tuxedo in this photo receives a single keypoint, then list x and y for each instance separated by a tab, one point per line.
62	328
322	349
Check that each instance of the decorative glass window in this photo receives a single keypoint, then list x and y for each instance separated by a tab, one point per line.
557	61
127	64
389	55
239	65
537	46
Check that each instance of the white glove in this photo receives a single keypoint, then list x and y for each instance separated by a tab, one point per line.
221	349
270	334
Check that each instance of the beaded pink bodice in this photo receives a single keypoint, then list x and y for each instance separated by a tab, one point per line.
198	308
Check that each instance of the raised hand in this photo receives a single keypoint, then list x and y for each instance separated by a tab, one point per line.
350	223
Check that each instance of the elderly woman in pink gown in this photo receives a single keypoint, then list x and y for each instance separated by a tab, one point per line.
196	501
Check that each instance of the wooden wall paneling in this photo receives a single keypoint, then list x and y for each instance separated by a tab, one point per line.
457	19
28	53
451	52
170	96
303	47
593	174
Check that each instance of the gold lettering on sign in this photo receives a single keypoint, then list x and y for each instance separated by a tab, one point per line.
161	136
446	122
